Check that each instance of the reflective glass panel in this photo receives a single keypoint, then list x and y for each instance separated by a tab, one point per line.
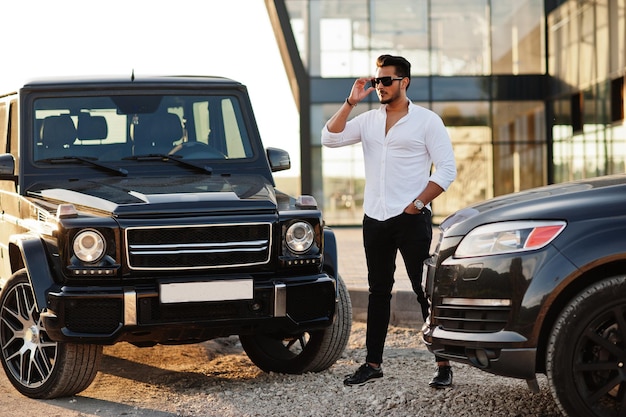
517	40
460	37
519	146
469	127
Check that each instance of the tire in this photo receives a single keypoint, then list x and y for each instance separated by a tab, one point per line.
586	354
37	366
308	352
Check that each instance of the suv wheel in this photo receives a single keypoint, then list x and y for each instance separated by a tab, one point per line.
37	366
307	352
586	356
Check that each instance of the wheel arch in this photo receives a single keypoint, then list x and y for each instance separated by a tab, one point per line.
29	252
567	291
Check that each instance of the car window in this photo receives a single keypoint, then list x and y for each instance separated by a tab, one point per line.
117	127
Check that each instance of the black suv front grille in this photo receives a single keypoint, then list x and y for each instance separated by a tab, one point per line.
469	318
198	247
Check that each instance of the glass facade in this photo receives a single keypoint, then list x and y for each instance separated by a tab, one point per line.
531	92
586	60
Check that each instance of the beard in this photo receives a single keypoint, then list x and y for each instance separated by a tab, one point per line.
389	98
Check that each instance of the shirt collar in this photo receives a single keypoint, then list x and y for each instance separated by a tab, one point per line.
383	107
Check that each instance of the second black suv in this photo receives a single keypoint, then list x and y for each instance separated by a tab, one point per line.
535	282
144	210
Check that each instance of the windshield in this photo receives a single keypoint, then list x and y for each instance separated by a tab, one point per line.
114	128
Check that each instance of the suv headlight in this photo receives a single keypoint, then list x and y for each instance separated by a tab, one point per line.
89	246
508	237
299	237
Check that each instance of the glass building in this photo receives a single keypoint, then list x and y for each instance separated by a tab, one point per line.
532	92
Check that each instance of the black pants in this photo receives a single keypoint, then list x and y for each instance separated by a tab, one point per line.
411	234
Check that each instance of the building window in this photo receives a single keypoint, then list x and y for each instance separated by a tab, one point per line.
469	126
519	146
460	37
517	37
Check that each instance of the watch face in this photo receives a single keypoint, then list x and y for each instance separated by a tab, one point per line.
418	204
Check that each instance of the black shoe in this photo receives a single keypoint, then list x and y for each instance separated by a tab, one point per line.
442	378
364	374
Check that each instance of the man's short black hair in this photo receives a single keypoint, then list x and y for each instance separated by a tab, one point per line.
403	67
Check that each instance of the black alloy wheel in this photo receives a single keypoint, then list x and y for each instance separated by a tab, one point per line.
586	355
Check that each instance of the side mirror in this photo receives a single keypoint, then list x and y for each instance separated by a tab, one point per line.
278	159
7	165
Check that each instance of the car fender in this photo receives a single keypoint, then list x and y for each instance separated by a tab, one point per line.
331	265
608	237
573	256
573	267
585	263
546	285
34	258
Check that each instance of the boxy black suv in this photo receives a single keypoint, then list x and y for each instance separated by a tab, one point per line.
535	282
144	210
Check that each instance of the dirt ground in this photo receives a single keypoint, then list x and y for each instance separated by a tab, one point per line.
216	378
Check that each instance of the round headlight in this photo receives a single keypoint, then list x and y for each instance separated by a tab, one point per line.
299	237
89	246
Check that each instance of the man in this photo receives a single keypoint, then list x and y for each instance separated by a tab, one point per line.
401	141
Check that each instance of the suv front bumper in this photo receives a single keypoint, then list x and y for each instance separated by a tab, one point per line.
106	315
491	352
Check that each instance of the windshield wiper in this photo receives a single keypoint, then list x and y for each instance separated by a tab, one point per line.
165	157
87	160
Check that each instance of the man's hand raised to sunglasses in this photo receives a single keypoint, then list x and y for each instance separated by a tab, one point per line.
360	90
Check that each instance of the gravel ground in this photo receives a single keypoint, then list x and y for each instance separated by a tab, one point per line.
216	378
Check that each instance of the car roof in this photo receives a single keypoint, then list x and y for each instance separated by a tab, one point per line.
108	82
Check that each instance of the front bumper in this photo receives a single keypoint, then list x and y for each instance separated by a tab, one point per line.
107	315
492	352
486	310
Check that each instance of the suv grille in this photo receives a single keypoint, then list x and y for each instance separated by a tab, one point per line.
472	318
198	247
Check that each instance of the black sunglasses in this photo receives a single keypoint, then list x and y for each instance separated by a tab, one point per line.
386	81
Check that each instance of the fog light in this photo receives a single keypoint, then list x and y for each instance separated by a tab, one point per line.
482	358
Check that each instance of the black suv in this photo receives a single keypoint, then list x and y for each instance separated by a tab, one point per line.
535	282
145	211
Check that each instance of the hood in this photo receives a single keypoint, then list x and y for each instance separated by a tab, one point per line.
569	201
182	195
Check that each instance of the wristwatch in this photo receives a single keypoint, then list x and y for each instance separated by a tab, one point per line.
418	204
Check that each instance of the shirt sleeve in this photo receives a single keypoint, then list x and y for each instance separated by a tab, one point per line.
350	135
441	152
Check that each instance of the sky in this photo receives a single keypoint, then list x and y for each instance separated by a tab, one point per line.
230	38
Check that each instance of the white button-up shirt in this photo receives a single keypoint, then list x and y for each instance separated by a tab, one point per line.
398	164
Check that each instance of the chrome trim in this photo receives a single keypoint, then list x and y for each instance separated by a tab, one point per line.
170	249
200	245
49	314
130	308
280	300
482	302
